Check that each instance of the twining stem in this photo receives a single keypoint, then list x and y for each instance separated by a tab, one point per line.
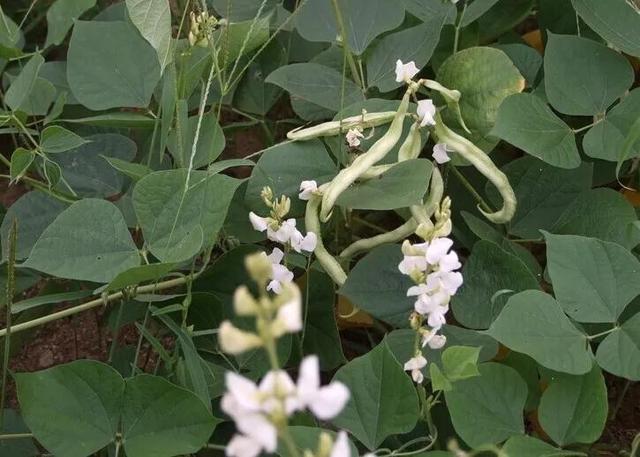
97	302
16	436
456	37
470	188
598	335
345	43
10	292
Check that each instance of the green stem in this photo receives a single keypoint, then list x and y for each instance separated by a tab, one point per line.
345	44
116	332
598	335
16	436
134	365
620	398
470	188
10	292
289	443
456	37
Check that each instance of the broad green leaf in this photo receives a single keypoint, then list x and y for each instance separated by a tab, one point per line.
88	241
617	21
476	9
489	271
606	139
61	16
34	302
316	21
86	169
485	77
133	170
412	44
619	352
533	323
425	10
38	101
240	39
383	399
34	211
583	77
317	84
502	17
283	167
13	423
528	369
119	72
58	139
527	446
321	336
460	362
84	397
402	185
488	408
160	419
153	19
593	280
525	121
21	160
137	275
527	60
573	409
543	193
376	286
601	213
23	84
210	141
242	10
177	218
307	438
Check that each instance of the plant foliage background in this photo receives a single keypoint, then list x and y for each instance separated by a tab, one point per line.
139	136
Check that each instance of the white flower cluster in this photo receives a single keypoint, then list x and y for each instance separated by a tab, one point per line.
257	409
432	265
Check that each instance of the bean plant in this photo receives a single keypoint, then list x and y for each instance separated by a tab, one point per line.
432	252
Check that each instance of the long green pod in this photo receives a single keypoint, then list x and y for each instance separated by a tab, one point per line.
484	165
312	224
332	128
422	213
362	163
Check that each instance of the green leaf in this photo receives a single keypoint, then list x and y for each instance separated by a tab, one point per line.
84	397
117	120
606	139
153	19
210	141
619	352
243	10
120	72
139	274
160	419
87	171
316	21
426	10
34	211
308	438
543	193
88	241
593	280
34	302
60	18
58	139
617	21
317	84
240	39
21	160
573	409
438	380
488	408
321	334
489	270
460	362
412	44
548	336
527	446
502	17
178	219
402	185
485	77
23	84
133	170
13	423
383	400
527	60
525	121
476	9
283	167
601	213
582	77
376	286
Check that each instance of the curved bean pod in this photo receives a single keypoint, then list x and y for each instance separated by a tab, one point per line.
335	127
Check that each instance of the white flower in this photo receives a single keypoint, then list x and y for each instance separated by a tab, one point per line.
448	281
449	262
415	365
341	446
353	137
280	274
426	112
434	340
404	72
289	316
242	446
307	188
324	402
284	232
412	263
236	341
440	153
437	249
276	386
259	223
301	243
437	317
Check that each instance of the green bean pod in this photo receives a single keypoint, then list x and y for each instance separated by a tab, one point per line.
362	163
484	165
332	128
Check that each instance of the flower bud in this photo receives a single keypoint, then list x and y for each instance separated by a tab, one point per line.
235	341
259	267
243	302
325	445
267	196
424	231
